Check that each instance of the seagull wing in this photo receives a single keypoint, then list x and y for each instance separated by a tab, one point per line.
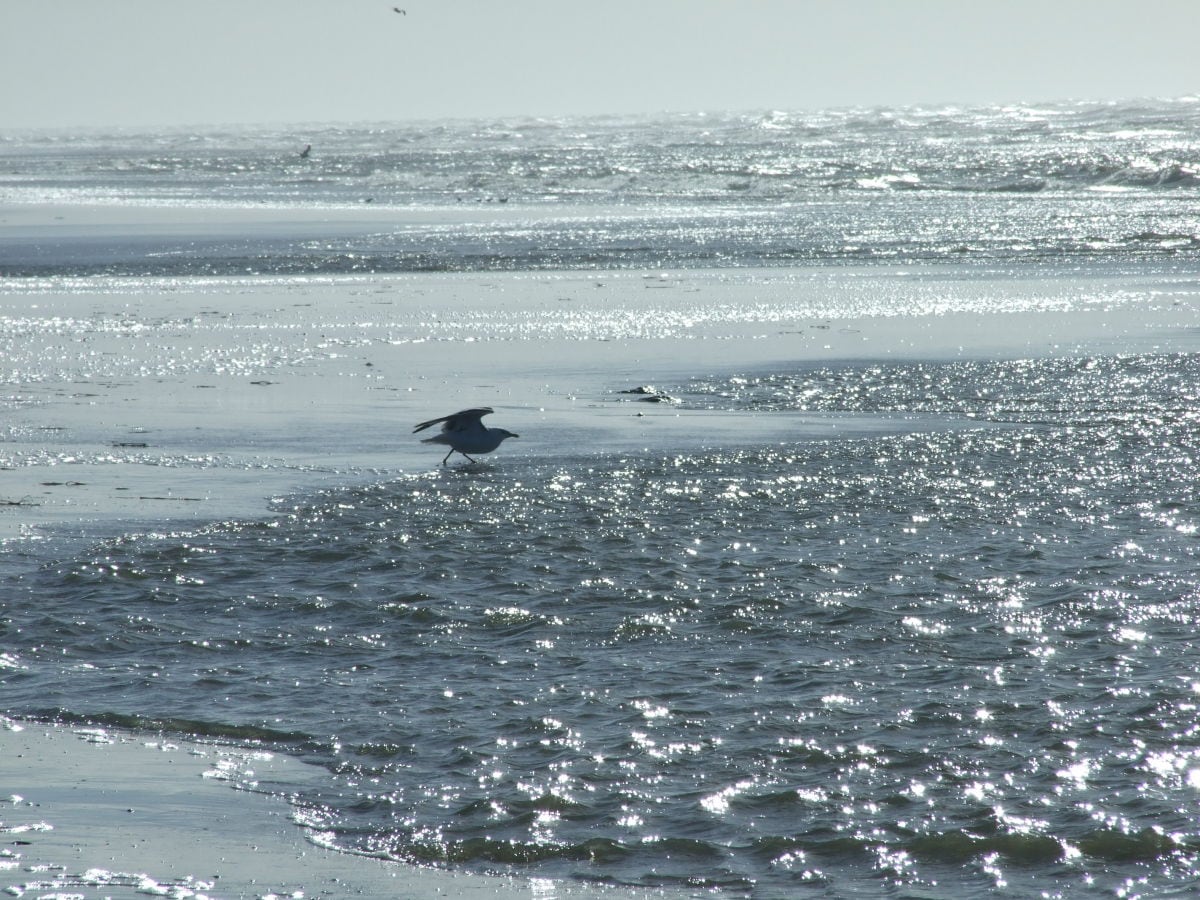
459	421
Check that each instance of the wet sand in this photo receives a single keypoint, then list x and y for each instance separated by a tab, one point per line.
94	813
144	405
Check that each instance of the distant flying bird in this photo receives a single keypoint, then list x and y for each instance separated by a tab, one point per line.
399	10
465	433
307	150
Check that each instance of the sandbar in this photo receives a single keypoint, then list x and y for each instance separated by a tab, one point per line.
92	813
134	404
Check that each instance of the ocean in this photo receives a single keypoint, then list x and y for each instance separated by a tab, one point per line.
943	646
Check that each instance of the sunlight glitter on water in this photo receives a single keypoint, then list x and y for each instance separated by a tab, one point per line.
623	654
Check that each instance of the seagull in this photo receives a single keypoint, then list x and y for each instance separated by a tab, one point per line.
465	433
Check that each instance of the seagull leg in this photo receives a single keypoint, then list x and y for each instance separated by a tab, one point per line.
472	460
447	456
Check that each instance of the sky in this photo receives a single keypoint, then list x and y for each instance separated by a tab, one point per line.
152	63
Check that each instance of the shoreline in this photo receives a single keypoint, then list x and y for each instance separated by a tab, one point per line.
194	404
96	813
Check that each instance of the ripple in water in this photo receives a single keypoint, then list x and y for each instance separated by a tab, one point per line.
889	661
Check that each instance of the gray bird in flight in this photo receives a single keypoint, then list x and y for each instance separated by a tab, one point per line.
465	433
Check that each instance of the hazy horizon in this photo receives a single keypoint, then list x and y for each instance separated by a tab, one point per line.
143	64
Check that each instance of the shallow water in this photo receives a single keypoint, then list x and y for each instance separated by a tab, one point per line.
956	657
